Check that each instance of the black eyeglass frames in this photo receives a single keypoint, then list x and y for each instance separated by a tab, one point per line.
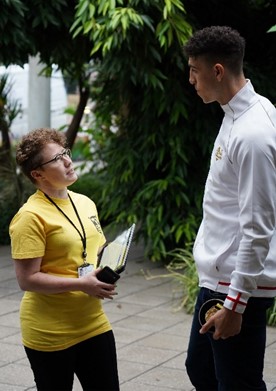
66	153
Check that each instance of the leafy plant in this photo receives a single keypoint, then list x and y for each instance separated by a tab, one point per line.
272	29
9	110
182	270
143	147
271	315
12	185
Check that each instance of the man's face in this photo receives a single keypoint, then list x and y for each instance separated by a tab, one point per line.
203	77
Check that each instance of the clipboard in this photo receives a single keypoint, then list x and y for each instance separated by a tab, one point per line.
114	254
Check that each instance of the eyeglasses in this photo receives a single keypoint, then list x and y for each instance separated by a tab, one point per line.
66	153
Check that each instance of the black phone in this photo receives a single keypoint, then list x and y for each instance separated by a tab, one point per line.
108	275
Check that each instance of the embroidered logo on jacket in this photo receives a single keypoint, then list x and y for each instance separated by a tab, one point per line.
219	153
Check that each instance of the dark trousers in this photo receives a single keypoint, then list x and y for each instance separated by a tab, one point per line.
93	361
233	364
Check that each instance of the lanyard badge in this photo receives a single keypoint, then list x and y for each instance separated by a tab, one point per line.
84	269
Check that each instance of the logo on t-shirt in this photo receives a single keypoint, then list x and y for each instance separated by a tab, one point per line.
96	223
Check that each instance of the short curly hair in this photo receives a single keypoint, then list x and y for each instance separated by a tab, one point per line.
218	44
28	151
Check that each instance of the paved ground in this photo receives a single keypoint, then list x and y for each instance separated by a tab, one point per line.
151	337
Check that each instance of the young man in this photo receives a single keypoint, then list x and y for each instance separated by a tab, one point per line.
235	248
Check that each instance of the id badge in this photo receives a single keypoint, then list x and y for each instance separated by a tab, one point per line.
84	269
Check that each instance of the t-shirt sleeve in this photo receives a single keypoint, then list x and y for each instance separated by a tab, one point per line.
27	236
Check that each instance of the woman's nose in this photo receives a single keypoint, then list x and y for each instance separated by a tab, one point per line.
67	159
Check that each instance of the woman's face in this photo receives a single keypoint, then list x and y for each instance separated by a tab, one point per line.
56	169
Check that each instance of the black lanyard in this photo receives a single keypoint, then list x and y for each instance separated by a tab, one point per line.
83	237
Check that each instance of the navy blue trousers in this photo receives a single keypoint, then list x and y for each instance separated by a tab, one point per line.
233	364
93	361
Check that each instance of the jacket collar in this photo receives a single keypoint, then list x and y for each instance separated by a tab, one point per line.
241	102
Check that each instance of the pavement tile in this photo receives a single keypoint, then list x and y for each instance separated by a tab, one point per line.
8	306
16	375
133	386
164	311
183	326
143	297
8	387
177	362
14	339
11	353
146	355
116	306
126	336
172	379
143	323
129	370
10	319
164	341
6	331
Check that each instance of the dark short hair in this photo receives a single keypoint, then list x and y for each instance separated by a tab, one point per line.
218	44
28	151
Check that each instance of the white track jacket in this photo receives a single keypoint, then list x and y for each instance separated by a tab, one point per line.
235	248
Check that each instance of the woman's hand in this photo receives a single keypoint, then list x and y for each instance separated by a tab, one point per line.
94	287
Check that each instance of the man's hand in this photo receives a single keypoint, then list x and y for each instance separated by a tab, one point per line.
226	323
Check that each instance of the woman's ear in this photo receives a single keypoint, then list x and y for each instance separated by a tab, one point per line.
36	174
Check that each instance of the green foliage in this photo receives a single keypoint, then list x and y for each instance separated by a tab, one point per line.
271	315
37	26
88	184
145	170
141	130
47	25
182	271
9	108
13	41
272	29
156	133
109	23
12	187
7	210
14	190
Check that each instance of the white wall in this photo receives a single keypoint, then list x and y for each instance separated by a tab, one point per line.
19	78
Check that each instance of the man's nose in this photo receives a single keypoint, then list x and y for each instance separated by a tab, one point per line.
191	78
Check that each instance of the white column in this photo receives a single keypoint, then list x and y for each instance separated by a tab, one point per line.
39	96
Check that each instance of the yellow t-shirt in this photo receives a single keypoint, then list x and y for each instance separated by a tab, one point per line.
52	322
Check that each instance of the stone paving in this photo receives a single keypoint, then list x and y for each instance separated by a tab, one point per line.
151	336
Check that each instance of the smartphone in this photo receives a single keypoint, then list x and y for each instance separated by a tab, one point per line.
108	275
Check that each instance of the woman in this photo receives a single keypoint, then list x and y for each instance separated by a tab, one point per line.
55	239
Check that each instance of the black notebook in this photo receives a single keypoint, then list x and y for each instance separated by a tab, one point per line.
114	254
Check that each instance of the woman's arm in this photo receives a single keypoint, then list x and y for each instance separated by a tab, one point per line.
30	278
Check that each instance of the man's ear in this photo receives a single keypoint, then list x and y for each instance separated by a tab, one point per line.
219	71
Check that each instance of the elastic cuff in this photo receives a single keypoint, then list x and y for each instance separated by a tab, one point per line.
235	302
